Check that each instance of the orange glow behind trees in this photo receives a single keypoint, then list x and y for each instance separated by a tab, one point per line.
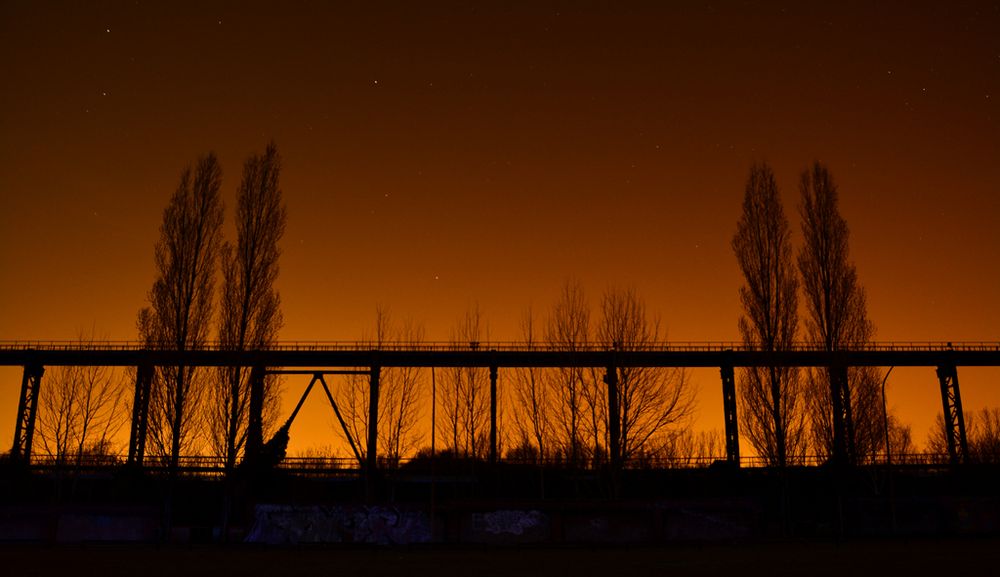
436	157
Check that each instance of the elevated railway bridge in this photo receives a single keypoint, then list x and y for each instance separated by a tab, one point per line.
368	359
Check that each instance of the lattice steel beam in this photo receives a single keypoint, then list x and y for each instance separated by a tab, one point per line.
729	413
27	407
954	418
140	415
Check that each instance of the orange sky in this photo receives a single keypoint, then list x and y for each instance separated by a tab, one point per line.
437	157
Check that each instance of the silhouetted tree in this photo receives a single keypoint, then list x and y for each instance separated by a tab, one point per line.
568	329
773	411
900	440
531	401
982	433
837	319
686	448
180	313
399	395
984	446
652	401
79	411
250	308
937	437
465	400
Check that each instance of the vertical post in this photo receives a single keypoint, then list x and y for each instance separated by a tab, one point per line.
841	400
729	412
372	454
140	415
614	418
493	415
27	407
954	417
433	415
255	426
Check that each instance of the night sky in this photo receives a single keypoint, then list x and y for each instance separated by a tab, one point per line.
441	156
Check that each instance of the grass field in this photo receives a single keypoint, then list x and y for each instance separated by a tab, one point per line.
952	557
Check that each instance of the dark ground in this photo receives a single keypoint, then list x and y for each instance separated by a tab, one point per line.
952	557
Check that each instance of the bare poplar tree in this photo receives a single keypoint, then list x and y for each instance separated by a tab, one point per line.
465	399
652	401
250	308
80	411
531	398
773	410
837	318
180	313
570	388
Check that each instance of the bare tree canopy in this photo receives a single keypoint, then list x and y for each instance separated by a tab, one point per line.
464	392
180	313
400	395
574	391
982	429
774	419
80	411
250	308
837	318
531	397
653	402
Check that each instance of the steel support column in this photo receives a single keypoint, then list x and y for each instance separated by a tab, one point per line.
493	415
840	397
614	417
27	407
255	425
954	418
729	412
372	455
140	414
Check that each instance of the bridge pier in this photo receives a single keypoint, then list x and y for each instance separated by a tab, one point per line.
493	415
843	433
255	425
954	418
372	455
27	408
140	414
614	418
729	413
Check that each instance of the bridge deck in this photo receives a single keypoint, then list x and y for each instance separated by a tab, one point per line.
500	354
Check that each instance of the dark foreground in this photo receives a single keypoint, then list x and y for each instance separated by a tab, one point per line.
975	556
514	507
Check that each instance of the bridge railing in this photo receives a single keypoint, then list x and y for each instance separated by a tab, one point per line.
207	466
515	346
